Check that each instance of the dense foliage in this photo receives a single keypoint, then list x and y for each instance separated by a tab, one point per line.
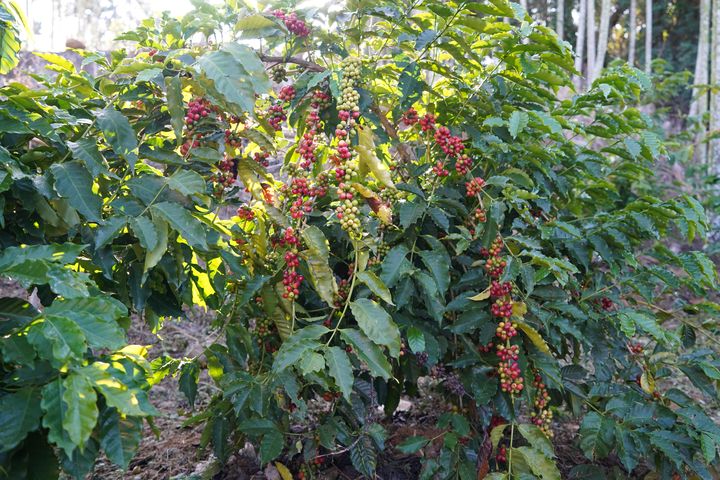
445	208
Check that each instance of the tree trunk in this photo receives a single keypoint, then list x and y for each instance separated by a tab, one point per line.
714	147
580	42
632	32
648	36
602	38
560	19
699	105
591	49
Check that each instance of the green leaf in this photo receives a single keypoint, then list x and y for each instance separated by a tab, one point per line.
271	446
181	220
86	150
144	230
596	435
627	452
188	381
118	133
395	265
410	212
231	80
73	181
186	182
312	362
68	283
645	323
9	44
58	339
175	106
340	369
542	466
416	339
368	352
119	437
538	440
15	314
82	413
517	123
126	399
316	257
412	445
96	317
377	324
109	231
363	456
154	255
19	415
254	22
54	415
148	74
292	351
251	64
438	263
375	285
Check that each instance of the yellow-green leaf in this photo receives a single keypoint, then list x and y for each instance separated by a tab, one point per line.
533	336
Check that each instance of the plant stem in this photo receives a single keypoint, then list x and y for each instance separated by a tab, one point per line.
349	296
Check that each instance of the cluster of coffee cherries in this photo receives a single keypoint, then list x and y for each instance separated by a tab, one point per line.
295	25
463	164
287	93
198	109
410	117
452	146
347	211
225	177
342	294
501	456
498	289
308	145
636	348
320	99
474	187
511	380
349	97
506	330
427	122
480	215
278	73
262	157
486	348
454	385
345	158
606	303
291	279
276	112
276	115
246	213
263	329
541	414
439	169
502	307
495	264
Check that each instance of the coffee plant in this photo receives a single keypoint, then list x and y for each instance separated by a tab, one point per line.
369	198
